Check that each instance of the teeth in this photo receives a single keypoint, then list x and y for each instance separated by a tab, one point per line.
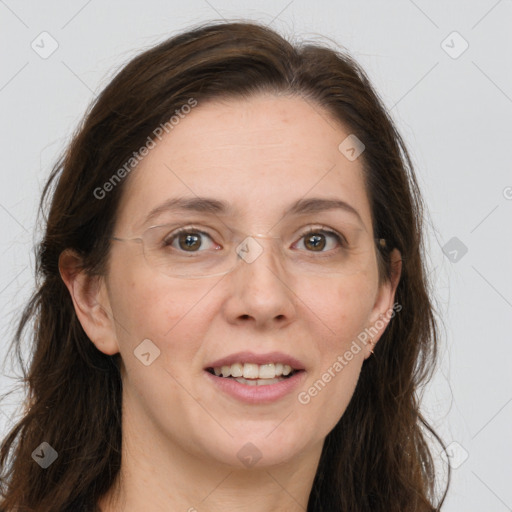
257	382
267	371
251	371
244	371
237	370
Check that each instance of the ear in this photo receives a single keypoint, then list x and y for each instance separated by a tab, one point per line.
383	309
91	302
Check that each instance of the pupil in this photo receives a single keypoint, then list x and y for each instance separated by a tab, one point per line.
189	241
316	241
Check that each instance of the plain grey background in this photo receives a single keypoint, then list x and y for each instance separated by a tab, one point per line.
443	70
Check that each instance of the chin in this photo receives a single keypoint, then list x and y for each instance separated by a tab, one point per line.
256	450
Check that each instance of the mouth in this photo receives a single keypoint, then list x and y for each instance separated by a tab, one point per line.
252	374
256	384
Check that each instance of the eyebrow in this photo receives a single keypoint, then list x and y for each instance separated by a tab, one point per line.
215	206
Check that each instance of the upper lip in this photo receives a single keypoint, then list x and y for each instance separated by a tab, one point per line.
251	357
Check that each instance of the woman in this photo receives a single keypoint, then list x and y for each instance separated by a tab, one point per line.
232	310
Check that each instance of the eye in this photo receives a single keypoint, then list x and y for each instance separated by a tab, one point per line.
316	240
187	239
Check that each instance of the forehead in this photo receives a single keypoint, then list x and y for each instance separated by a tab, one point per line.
260	155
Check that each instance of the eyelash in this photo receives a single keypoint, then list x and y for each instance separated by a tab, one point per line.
323	229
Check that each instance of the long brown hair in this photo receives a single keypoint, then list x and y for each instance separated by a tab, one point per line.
377	457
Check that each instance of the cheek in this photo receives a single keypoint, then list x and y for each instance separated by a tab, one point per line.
340	313
152	306
341	310
155	308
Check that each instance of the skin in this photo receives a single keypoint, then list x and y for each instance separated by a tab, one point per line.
181	435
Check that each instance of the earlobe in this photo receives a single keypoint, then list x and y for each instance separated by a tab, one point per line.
90	301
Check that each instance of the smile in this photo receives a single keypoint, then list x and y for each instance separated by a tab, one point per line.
256	390
254	374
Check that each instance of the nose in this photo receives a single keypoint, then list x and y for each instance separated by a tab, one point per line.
261	291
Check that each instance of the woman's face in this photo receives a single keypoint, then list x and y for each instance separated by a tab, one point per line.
259	157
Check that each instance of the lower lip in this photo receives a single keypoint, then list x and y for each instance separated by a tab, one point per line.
266	393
